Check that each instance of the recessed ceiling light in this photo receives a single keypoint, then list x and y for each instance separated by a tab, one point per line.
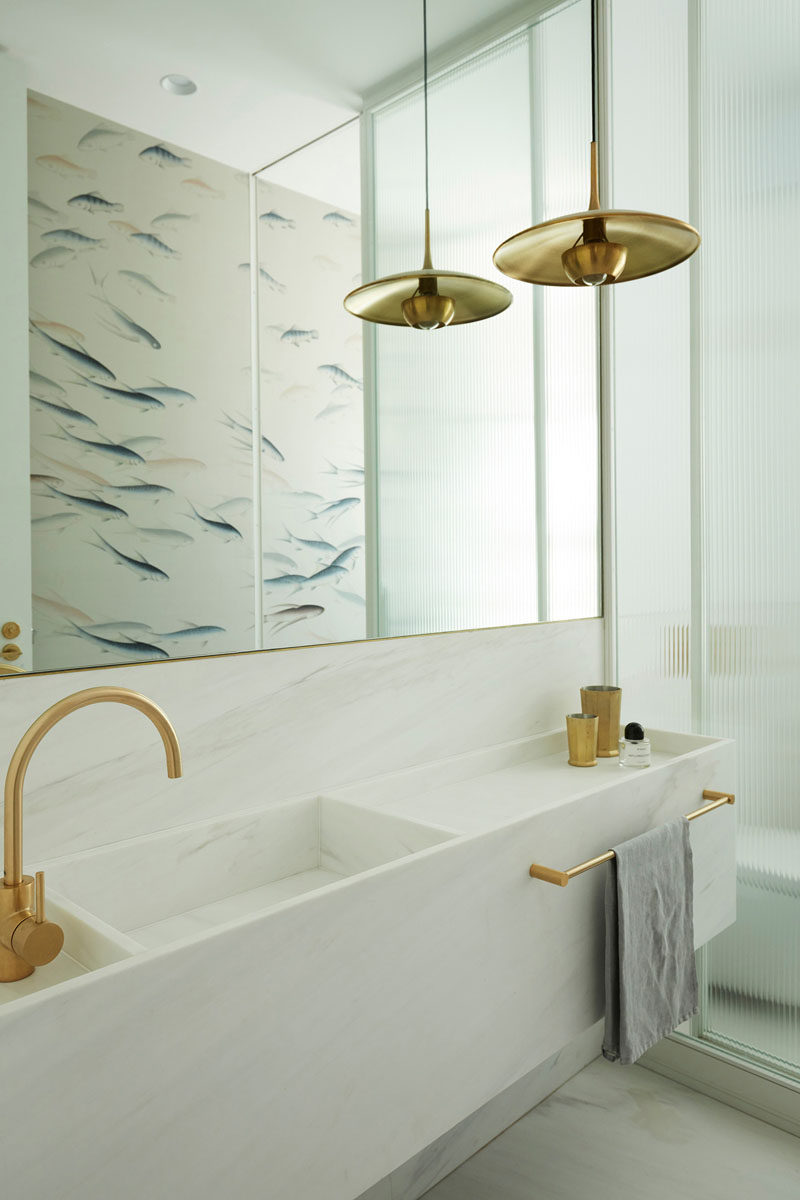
178	85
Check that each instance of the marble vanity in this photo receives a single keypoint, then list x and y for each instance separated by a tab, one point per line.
309	993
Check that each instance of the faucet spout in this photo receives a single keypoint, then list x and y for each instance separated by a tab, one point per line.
23	754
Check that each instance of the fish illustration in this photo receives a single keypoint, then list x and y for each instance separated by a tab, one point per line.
63	166
220	526
166	537
102	137
60	608
350	474
338	219
129	396
54	256
162	157
40	385
120	323
203	189
119	453
65	411
119	627
38	208
339	376
274	220
279	560
89	366
271	283
125	647
93	202
352	597
139	565
144	285
296	336
73	238
62	331
190	631
140	488
338	508
45	479
54	523
233	507
319	546
347	557
162	392
91	504
154	245
173	220
290	583
293	613
143	444
124	227
266	444
71	469
331	574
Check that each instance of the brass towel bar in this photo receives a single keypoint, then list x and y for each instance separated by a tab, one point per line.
562	878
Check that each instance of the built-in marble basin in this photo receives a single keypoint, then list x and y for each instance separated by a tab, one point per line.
88	946
159	889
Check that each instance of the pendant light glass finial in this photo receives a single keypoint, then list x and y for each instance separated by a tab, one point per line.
427	298
600	246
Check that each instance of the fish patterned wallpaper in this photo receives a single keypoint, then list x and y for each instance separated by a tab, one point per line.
142	446
312	406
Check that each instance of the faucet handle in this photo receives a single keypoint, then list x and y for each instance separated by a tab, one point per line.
37	940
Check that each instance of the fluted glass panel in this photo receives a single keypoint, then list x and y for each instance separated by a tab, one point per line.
468	518
749	95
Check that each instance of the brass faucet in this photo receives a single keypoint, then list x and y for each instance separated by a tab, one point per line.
27	940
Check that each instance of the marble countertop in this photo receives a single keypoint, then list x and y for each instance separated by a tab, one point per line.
475	793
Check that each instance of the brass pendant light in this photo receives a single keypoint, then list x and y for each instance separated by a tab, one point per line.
427	298
602	245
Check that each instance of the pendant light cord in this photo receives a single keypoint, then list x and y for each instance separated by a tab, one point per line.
425	89
594	68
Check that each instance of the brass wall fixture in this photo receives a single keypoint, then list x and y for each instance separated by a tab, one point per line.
427	298
11	630
27	939
10	652
562	878
602	245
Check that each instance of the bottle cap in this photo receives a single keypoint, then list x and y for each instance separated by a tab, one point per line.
634	732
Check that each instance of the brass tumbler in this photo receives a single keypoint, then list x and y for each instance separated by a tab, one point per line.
604	702
582	739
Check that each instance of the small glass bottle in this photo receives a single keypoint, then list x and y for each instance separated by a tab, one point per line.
634	747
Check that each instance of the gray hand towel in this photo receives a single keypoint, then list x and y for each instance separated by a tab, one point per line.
651	981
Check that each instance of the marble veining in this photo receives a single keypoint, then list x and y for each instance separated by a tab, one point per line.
260	728
612	1132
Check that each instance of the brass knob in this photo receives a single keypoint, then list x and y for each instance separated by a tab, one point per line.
10	652
36	940
11	630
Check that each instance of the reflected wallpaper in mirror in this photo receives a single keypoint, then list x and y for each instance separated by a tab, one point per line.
223	459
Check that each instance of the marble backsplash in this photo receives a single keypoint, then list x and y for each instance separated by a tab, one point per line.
266	726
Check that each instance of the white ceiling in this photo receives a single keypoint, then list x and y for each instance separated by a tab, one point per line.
270	75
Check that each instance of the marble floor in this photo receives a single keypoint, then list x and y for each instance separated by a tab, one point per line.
624	1132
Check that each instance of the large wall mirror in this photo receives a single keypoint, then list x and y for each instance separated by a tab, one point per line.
205	453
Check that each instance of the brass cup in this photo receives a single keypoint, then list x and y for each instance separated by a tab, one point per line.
582	739
604	702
